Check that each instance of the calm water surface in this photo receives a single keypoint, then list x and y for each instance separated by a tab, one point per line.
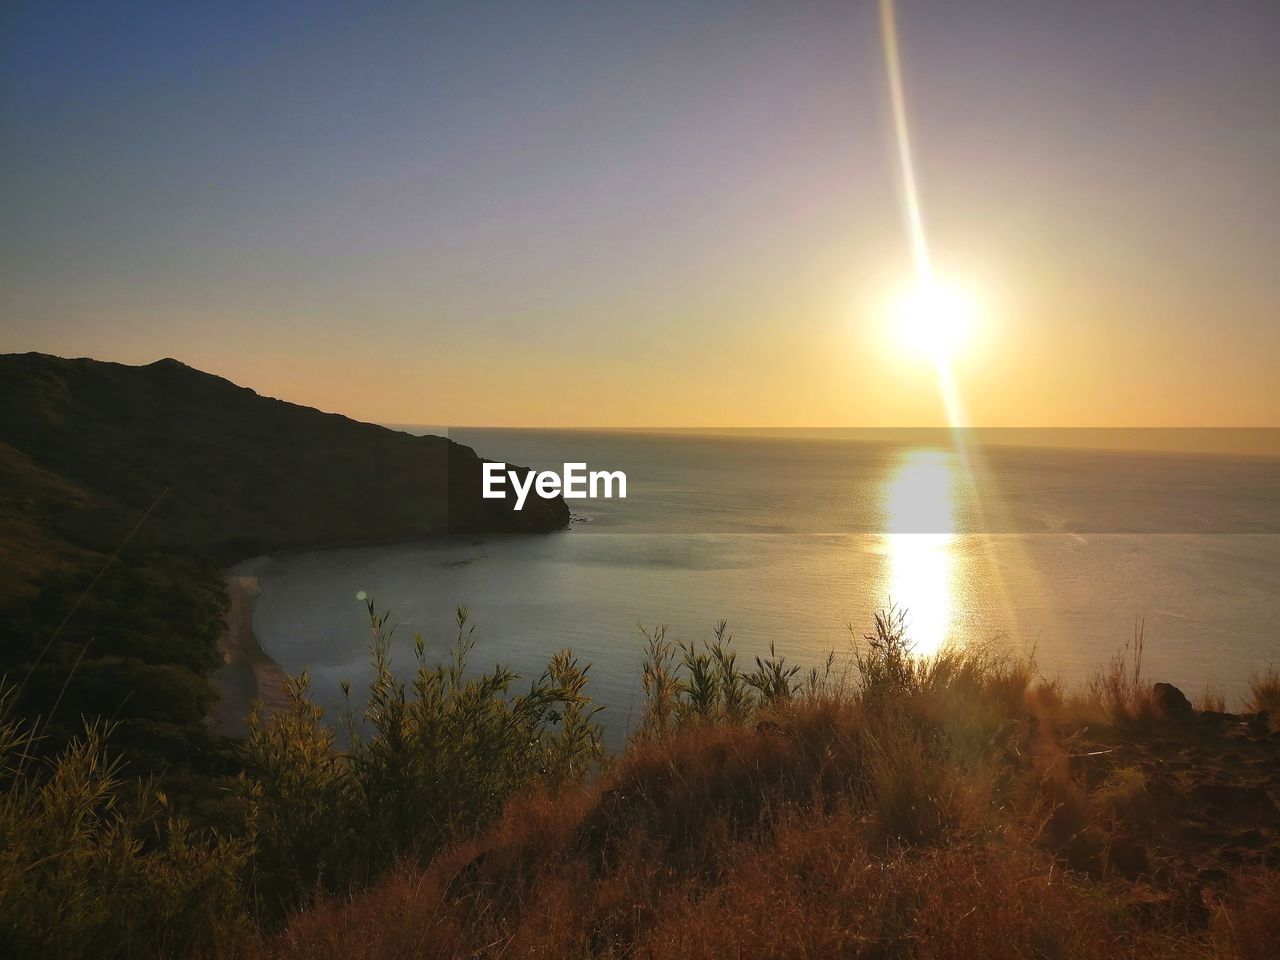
799	541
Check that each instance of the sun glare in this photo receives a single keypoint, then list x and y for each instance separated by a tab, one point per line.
934	318
920	521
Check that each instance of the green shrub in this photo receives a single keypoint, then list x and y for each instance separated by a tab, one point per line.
433	759
91	866
703	684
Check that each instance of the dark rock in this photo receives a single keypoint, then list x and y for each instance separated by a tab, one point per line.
1171	703
1215	718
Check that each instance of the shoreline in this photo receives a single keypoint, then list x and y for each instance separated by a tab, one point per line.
248	672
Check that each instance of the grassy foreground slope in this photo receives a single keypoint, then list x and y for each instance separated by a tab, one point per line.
957	807
881	807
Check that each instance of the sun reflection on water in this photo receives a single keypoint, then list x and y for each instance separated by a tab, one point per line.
920	525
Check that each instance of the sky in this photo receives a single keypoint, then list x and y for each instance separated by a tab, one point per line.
651	214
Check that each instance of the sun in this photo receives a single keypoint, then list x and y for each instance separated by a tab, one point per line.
934	317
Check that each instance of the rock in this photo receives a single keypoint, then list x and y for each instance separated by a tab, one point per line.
1171	703
1216	719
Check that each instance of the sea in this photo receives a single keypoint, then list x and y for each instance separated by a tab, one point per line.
798	539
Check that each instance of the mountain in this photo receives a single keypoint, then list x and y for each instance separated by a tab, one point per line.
86	446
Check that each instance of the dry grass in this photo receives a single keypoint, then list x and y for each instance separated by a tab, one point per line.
1211	699
1119	692
927	809
1264	692
1247	925
940	807
658	863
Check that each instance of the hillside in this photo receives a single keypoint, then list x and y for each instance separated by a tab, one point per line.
85	446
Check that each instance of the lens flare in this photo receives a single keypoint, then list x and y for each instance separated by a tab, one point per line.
910	193
935	314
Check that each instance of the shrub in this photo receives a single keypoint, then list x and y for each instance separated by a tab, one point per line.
1119	691
687	683
93	867
1264	692
886	668
431	761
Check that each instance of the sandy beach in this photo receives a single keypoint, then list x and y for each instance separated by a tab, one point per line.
247	670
